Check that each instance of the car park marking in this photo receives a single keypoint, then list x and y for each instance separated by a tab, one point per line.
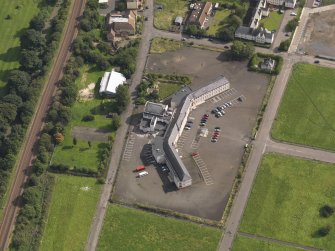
223	95
195	144
206	176
128	150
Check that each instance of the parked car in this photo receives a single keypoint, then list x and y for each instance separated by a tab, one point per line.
214	140
143	173
316	61
293	14
194	154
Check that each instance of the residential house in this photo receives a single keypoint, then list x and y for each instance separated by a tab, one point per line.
199	14
268	64
284	3
121	25
259	35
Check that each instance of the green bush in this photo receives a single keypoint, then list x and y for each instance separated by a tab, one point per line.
87	118
326	211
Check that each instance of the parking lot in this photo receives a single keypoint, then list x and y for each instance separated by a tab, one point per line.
215	164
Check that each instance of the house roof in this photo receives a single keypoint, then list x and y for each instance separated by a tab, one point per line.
110	81
155	108
199	13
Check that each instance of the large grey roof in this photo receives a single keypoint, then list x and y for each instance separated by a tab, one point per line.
154	108
214	85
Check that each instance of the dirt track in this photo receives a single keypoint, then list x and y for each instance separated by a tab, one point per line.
27	153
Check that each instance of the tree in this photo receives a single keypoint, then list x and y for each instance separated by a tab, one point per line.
284	45
291	25
19	82
122	97
12	98
242	51
33	39
116	122
30	61
31	195
69	95
37	22
58	137
323	231
74	141
8	111
227	34
234	21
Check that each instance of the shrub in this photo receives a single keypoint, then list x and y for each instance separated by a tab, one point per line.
323	231
326	211
87	118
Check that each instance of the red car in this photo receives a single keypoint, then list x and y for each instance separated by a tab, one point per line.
195	154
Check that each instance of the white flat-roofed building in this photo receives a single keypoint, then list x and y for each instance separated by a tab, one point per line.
110	81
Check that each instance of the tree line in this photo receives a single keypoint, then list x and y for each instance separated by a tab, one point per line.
36	196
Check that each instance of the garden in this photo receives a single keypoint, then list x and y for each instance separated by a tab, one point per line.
164	18
306	112
131	229
156	87
273	21
292	200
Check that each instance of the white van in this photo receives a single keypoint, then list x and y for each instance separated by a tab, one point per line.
143	173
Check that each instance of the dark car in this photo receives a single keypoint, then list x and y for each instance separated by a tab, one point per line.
316	61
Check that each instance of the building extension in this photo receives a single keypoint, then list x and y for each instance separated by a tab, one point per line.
164	148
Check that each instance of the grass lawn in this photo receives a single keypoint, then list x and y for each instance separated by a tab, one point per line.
70	214
160	45
167	89
218	22
20	13
131	229
272	22
81	155
242	243
285	201
171	9
306	115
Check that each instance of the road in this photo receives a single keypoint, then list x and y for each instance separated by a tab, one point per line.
27	154
121	132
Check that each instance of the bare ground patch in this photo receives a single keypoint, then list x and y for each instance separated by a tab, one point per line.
90	134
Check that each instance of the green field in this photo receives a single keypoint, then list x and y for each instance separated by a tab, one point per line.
218	21
164	18
130	229
285	201
70	215
20	13
306	112
272	22
167	89
160	45
248	244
